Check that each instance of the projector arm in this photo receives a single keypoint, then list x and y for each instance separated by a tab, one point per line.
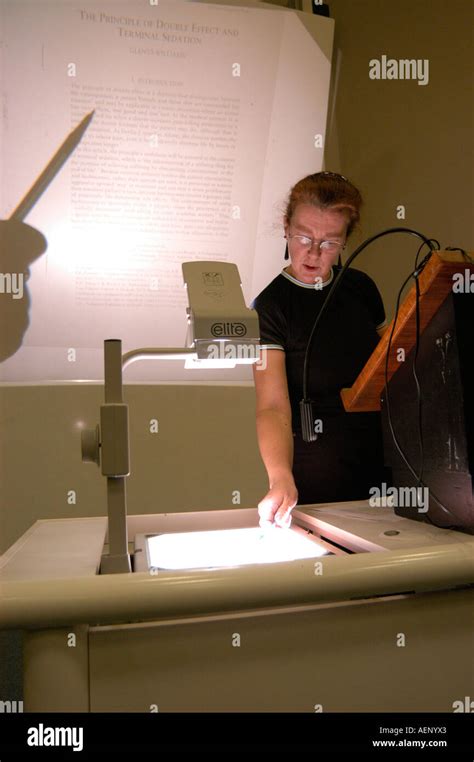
108	445
217	317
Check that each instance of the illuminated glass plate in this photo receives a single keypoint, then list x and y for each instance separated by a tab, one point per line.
230	547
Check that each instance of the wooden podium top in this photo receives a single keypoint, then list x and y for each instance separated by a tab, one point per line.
436	282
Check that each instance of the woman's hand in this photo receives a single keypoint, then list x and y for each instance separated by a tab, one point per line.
276	506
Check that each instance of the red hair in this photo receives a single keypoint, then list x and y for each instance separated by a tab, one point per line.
326	190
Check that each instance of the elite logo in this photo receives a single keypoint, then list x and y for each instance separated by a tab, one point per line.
228	329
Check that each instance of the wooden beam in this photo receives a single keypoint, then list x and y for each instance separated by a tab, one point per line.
436	282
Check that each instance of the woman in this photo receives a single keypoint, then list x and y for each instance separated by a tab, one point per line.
346	459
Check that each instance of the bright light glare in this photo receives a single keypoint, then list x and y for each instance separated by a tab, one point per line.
229	547
204	364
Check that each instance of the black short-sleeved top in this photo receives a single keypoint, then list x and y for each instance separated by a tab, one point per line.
345	339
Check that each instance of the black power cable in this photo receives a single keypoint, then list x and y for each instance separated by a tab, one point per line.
306	405
463	252
416	273
418	477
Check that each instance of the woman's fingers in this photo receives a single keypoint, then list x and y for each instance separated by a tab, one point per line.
276	506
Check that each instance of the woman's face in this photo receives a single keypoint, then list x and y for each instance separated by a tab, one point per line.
310	263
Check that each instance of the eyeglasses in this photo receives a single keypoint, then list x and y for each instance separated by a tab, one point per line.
304	242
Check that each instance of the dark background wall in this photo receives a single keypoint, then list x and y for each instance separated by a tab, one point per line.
400	142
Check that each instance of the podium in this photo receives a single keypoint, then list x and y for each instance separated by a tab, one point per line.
439	442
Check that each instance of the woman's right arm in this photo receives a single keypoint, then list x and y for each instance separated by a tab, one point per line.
275	438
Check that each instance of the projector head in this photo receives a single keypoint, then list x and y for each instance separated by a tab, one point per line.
222	330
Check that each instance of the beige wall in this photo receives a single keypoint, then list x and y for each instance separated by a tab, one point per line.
400	142
204	451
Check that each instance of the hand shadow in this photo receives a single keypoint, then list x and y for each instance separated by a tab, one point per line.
20	246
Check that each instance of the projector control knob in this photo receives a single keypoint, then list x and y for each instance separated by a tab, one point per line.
90	445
